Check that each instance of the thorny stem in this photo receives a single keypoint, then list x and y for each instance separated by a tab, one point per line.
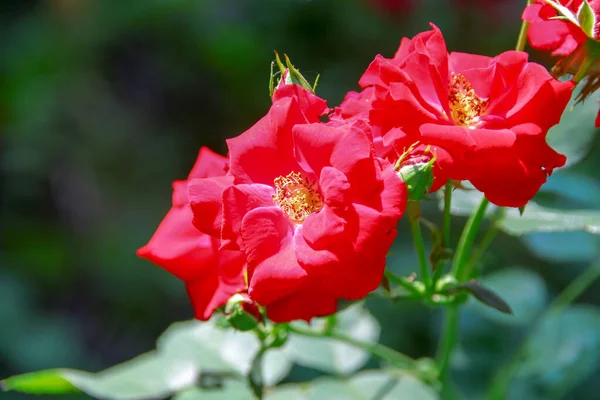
575	289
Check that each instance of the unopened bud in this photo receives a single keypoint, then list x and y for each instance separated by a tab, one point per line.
288	75
242	313
417	174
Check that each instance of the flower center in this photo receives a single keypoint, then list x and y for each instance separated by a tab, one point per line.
297	196
465	105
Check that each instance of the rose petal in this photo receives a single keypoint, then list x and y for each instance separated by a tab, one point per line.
270	141
237	201
178	247
208	164
205	198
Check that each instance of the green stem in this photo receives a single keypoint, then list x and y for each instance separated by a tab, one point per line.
439	267
460	266
414	211
447	341
522	39
405	283
449	335
385	353
447	215
487	239
575	289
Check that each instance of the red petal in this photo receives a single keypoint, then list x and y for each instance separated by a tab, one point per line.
205	198
304	305
312	105
201	292
179	247
238	200
274	270
324	228
208	164
335	188
265	151
393	195
212	291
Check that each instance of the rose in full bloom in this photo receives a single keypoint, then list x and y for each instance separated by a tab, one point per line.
549	32
483	119
211	276
311	206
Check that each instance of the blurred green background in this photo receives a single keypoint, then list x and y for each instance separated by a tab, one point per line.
103	103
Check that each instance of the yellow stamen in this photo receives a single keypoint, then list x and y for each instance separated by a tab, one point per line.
465	105
297	196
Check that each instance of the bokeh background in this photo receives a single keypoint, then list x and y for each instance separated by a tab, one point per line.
104	102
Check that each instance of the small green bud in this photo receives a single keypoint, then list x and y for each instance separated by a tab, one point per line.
446	282
288	75
242	313
418	178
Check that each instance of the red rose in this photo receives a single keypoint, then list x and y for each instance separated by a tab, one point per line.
485	119
211	276
548	32
312	208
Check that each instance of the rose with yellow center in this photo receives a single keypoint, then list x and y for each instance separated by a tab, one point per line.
466	107
485	118
297	196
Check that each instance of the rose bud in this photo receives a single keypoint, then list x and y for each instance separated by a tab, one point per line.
242	313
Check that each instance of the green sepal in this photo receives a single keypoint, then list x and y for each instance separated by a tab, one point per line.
587	19
296	77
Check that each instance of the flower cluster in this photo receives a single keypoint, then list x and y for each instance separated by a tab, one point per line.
485	119
304	209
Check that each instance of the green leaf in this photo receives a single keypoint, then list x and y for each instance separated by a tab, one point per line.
391	386
222	350
231	390
486	296
151	375
523	290
536	218
564	349
587	19
546	219
372	384
42	382
187	354
330	355
289	391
